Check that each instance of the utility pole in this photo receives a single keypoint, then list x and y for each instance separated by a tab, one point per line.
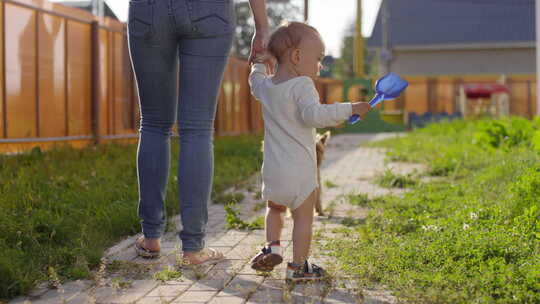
386	52
306	10
359	43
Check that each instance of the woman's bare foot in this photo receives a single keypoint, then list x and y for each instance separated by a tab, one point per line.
149	244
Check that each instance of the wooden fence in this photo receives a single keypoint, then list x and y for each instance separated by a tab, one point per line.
439	94
64	76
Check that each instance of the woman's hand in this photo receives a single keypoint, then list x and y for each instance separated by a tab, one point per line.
259	52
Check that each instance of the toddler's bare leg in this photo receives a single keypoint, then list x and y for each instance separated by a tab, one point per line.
302	231
274	221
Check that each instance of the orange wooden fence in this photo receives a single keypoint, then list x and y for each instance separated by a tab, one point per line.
438	94
64	76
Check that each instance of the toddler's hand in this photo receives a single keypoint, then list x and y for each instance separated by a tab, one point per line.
361	108
266	59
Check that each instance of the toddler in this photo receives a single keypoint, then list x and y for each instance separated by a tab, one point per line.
291	112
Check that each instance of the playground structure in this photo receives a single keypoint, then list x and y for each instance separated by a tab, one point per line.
484	100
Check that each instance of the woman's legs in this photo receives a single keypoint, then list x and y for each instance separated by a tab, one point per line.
200	79
303	228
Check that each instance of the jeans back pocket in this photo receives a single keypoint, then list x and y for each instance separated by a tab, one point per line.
140	20
211	18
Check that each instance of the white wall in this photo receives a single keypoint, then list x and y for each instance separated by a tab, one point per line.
465	62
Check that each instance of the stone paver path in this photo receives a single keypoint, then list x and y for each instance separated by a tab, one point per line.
126	278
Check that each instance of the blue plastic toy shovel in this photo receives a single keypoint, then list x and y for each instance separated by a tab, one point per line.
388	87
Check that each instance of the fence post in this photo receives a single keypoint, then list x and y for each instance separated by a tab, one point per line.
96	119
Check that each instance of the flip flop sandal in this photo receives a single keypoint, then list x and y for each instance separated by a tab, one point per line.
143	252
213	257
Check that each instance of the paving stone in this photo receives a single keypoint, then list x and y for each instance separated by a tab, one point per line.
254	239
242	285
196	273
195	297
225	241
67	292
216	279
155	300
341	296
168	290
242	252
227	300
240	234
378	297
137	290
267	294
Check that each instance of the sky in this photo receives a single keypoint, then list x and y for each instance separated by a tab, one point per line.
330	17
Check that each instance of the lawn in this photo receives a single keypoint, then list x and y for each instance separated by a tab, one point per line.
62	208
470	236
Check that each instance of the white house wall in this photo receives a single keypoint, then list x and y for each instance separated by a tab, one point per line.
465	62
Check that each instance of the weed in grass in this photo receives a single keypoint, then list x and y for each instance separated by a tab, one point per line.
360	199
128	269
171	225
258	195
330	209
233	220
317	234
259	206
389	179
168	274
235	197
54	279
120	283
329	184
351	222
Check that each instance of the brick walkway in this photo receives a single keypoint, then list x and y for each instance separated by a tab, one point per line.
125	278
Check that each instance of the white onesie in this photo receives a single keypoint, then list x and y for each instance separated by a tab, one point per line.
291	112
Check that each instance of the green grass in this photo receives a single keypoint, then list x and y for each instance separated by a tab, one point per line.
225	198
389	179
360	199
233	220
329	184
168	274
62	208
372	124
472	237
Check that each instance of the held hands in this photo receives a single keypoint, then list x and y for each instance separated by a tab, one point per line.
259	53
266	59
361	108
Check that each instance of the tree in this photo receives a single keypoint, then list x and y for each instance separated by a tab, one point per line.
278	11
344	66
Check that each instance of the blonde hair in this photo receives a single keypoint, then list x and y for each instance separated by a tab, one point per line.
287	36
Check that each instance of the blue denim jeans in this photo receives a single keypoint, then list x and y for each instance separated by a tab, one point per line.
179	50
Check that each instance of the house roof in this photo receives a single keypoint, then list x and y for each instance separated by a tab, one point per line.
421	23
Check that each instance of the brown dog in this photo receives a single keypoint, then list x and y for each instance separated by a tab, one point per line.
320	146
